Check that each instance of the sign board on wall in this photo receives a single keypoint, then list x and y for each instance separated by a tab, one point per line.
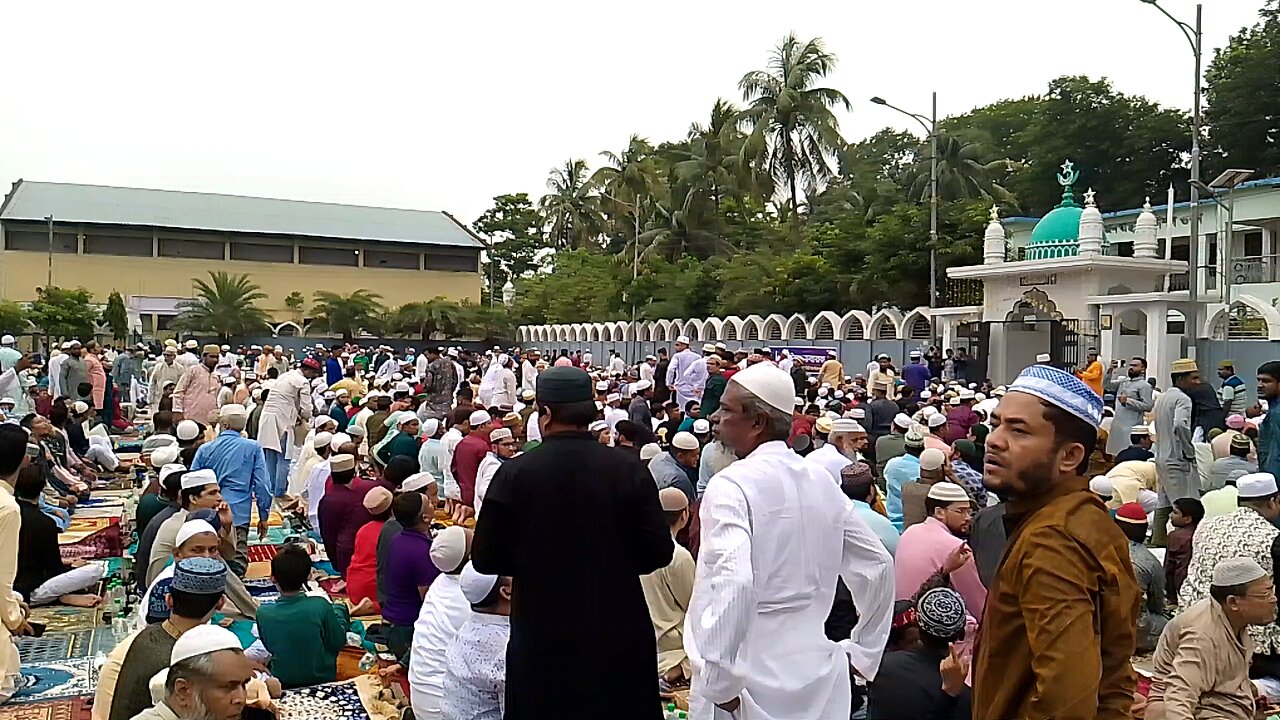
811	357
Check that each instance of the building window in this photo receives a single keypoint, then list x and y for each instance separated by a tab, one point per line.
1253	244
390	259
328	256
261	252
36	241
193	249
130	246
455	261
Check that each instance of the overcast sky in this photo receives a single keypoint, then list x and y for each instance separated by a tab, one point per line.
441	106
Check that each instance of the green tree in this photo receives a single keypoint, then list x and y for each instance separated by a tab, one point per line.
116	317
489	324
63	313
794	132
581	286
428	318
347	315
513	228
630	185
225	305
571	208
965	172
294	301
1242	89
13	317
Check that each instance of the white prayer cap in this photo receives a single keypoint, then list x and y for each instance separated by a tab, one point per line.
190	529
190	429
528	395
602	386
902	421
79	407
322	420
929	411
321	439
856	413
948	492
967	394
839	394
8	401
822	391
769	383
1043	358
642	385
342	392
684	441
170	468
225	348
453	352
164	455
598	426
612	397
199	478
340	463
395	418
7	340
846	425
914	354
232	410
499	434
932	459
701	426
1256	485
682	340
1140	430
404	416
925	394
329	395
339	439
449	548
418	481
191	344
356	431
476	586
650	451
402	387
1102	485
430	427
202	640
937	420
1237	571
479	417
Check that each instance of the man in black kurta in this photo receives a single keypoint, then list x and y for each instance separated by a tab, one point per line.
575	518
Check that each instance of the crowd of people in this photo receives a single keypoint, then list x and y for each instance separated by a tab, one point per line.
738	530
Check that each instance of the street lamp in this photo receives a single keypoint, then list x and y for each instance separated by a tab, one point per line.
930	125
635	268
1194	39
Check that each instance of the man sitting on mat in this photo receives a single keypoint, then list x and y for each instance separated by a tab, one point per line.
42	575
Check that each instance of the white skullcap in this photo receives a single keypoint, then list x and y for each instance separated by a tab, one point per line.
202	640
164	455
685	441
79	407
929	411
322	420
602	386
199	478
650	451
479	417
947	492
342	392
598	426
902	421
856	413
394	418
1043	358
168	469
500	434
8	401
612	397
1102	485
430	427
641	386
321	439
846	425
937	420
476	586
932	459
925	394
340	463
1256	485
822	391
979	397
190	529
449	548
1237	571
188	430
356	431
418	481
682	340
7	340
329	395
701	426
339	439
769	383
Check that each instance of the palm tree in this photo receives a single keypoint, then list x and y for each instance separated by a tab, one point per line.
964	172
438	315
794	132
571	208
224	306
347	315
712	166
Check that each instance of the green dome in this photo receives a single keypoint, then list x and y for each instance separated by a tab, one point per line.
1058	232
1061	223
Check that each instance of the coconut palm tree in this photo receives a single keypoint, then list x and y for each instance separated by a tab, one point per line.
427	318
965	172
571	209
793	130
347	315
224	306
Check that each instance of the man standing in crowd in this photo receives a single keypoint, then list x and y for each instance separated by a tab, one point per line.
916	373
1269	432
1134	399
1092	373
680	364
1059	626
1234	395
74	370
13	611
196	395
168	370
628	537
439	384
755	630
287	407
1175	453
242	477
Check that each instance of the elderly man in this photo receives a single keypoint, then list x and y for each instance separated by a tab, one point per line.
196	395
749	586
1134	399
287	406
1058	628
667	592
841	447
206	680
677	466
242	474
1175	452
676	378
1202	659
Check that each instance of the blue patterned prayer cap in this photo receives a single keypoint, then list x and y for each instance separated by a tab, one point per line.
1062	389
200	575
940	612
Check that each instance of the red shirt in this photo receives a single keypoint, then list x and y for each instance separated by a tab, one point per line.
466	464
362	573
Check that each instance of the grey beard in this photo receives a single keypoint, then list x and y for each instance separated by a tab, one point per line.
199	710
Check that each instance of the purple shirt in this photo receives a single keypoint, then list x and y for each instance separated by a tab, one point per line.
410	555
916	375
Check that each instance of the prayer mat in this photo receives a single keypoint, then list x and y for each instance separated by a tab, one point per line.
55	680
262	553
61	618
92	642
96	512
81	528
118	494
328	584
274	520
260	586
105	543
332	701
68	709
96	501
51	647
257	571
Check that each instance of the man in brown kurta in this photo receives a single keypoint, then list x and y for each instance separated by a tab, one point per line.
1059	625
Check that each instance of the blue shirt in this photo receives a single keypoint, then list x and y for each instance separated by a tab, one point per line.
1269	440
879	524
241	471
898	472
916	375
332	370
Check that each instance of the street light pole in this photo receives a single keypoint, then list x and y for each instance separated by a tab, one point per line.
49	281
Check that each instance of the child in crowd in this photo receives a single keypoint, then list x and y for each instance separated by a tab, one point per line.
475	678
303	632
1186	517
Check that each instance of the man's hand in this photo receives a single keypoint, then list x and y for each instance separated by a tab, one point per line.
24	628
955	670
1122	399
78	562
957	558
731	706
224	514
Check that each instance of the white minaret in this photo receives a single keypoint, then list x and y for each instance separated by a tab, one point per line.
1091	228
1145	244
993	240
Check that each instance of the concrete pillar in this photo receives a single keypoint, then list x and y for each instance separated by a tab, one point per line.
1157	363
1106	338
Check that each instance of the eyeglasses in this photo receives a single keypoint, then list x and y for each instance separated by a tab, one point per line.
961	511
1269	597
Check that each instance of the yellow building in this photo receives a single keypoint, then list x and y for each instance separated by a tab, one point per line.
151	245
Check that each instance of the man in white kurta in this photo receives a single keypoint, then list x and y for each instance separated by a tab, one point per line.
13	616
681	362
777	534
1134	399
288	403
